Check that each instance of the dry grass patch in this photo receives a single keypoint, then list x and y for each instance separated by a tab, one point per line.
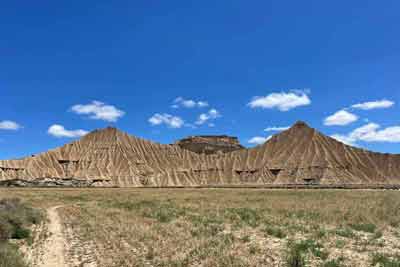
166	227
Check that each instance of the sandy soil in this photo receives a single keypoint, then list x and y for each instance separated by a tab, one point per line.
54	247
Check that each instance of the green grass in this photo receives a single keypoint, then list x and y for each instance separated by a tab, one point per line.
246	216
364	227
333	263
295	256
10	257
315	248
340	244
15	219
297	252
345	232
275	232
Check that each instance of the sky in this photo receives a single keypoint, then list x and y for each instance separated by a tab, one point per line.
163	70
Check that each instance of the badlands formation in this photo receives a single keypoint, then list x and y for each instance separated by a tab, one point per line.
210	144
109	157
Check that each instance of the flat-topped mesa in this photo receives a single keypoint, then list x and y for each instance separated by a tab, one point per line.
210	144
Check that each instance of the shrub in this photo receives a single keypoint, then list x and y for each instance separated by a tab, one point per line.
313	247
21	233
295	256
364	227
15	217
340	244
345	232
247	215
275	232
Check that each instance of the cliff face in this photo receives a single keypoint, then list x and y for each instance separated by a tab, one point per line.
210	144
299	155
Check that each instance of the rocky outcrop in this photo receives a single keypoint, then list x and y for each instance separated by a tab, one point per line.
210	144
298	156
53	182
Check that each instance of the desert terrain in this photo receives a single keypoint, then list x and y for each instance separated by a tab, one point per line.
211	227
111	158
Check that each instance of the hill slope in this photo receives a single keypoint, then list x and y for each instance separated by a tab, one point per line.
300	155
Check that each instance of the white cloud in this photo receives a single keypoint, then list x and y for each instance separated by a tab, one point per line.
344	139
258	140
167	119
59	131
276	129
342	117
282	101
202	104
188	103
212	114
99	111
9	125
379	104
371	132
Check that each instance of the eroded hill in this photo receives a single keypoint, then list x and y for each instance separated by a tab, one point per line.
109	157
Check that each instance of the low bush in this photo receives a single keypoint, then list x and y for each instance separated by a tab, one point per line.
15	218
345	232
247	216
315	248
275	232
364	227
295	256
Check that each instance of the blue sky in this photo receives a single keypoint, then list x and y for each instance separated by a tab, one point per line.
67	67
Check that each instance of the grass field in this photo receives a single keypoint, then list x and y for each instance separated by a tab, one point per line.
226	227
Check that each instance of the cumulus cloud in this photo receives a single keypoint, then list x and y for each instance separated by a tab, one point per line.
9	125
59	131
371	132
212	114
282	101
344	139
167	119
99	111
188	103
258	140
276	129
341	118
379	104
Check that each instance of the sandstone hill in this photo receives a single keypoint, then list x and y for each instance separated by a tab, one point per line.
109	157
210	144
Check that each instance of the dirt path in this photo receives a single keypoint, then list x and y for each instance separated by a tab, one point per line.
54	246
57	245
49	243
